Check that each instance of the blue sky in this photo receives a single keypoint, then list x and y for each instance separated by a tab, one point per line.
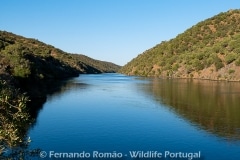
109	30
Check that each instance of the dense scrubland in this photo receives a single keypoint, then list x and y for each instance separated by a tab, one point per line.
207	50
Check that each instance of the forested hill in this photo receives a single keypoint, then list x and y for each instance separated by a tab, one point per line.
25	57
30	65
207	50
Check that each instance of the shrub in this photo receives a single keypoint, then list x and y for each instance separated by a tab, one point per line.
230	58
231	71
210	61
175	67
237	62
217	49
218	63
20	71
1	44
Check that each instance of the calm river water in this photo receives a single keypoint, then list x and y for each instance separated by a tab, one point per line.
113	116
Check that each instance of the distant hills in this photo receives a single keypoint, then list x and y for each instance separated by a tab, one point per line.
207	50
28	63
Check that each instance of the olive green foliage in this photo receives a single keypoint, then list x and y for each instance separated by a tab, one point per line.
231	57
14	117
14	55
210	43
237	62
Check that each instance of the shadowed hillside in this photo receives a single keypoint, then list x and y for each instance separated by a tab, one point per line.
208	50
24	57
29	63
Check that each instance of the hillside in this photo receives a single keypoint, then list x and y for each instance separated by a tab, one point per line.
207	50
29	57
28	64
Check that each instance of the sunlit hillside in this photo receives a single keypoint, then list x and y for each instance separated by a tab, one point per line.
207	50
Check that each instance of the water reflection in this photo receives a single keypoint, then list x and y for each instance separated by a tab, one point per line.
49	90
112	112
214	106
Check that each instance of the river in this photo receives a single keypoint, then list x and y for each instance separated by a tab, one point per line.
113	116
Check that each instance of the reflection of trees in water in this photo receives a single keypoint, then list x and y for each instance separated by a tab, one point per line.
67	86
20	152
210	104
18	114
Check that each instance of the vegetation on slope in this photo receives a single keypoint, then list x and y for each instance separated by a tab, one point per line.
208	50
25	57
31	63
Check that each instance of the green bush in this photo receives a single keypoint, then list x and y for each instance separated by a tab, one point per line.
233	44
197	65
230	58
237	62
217	49
218	63
210	61
1	44
21	71
175	67
231	71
